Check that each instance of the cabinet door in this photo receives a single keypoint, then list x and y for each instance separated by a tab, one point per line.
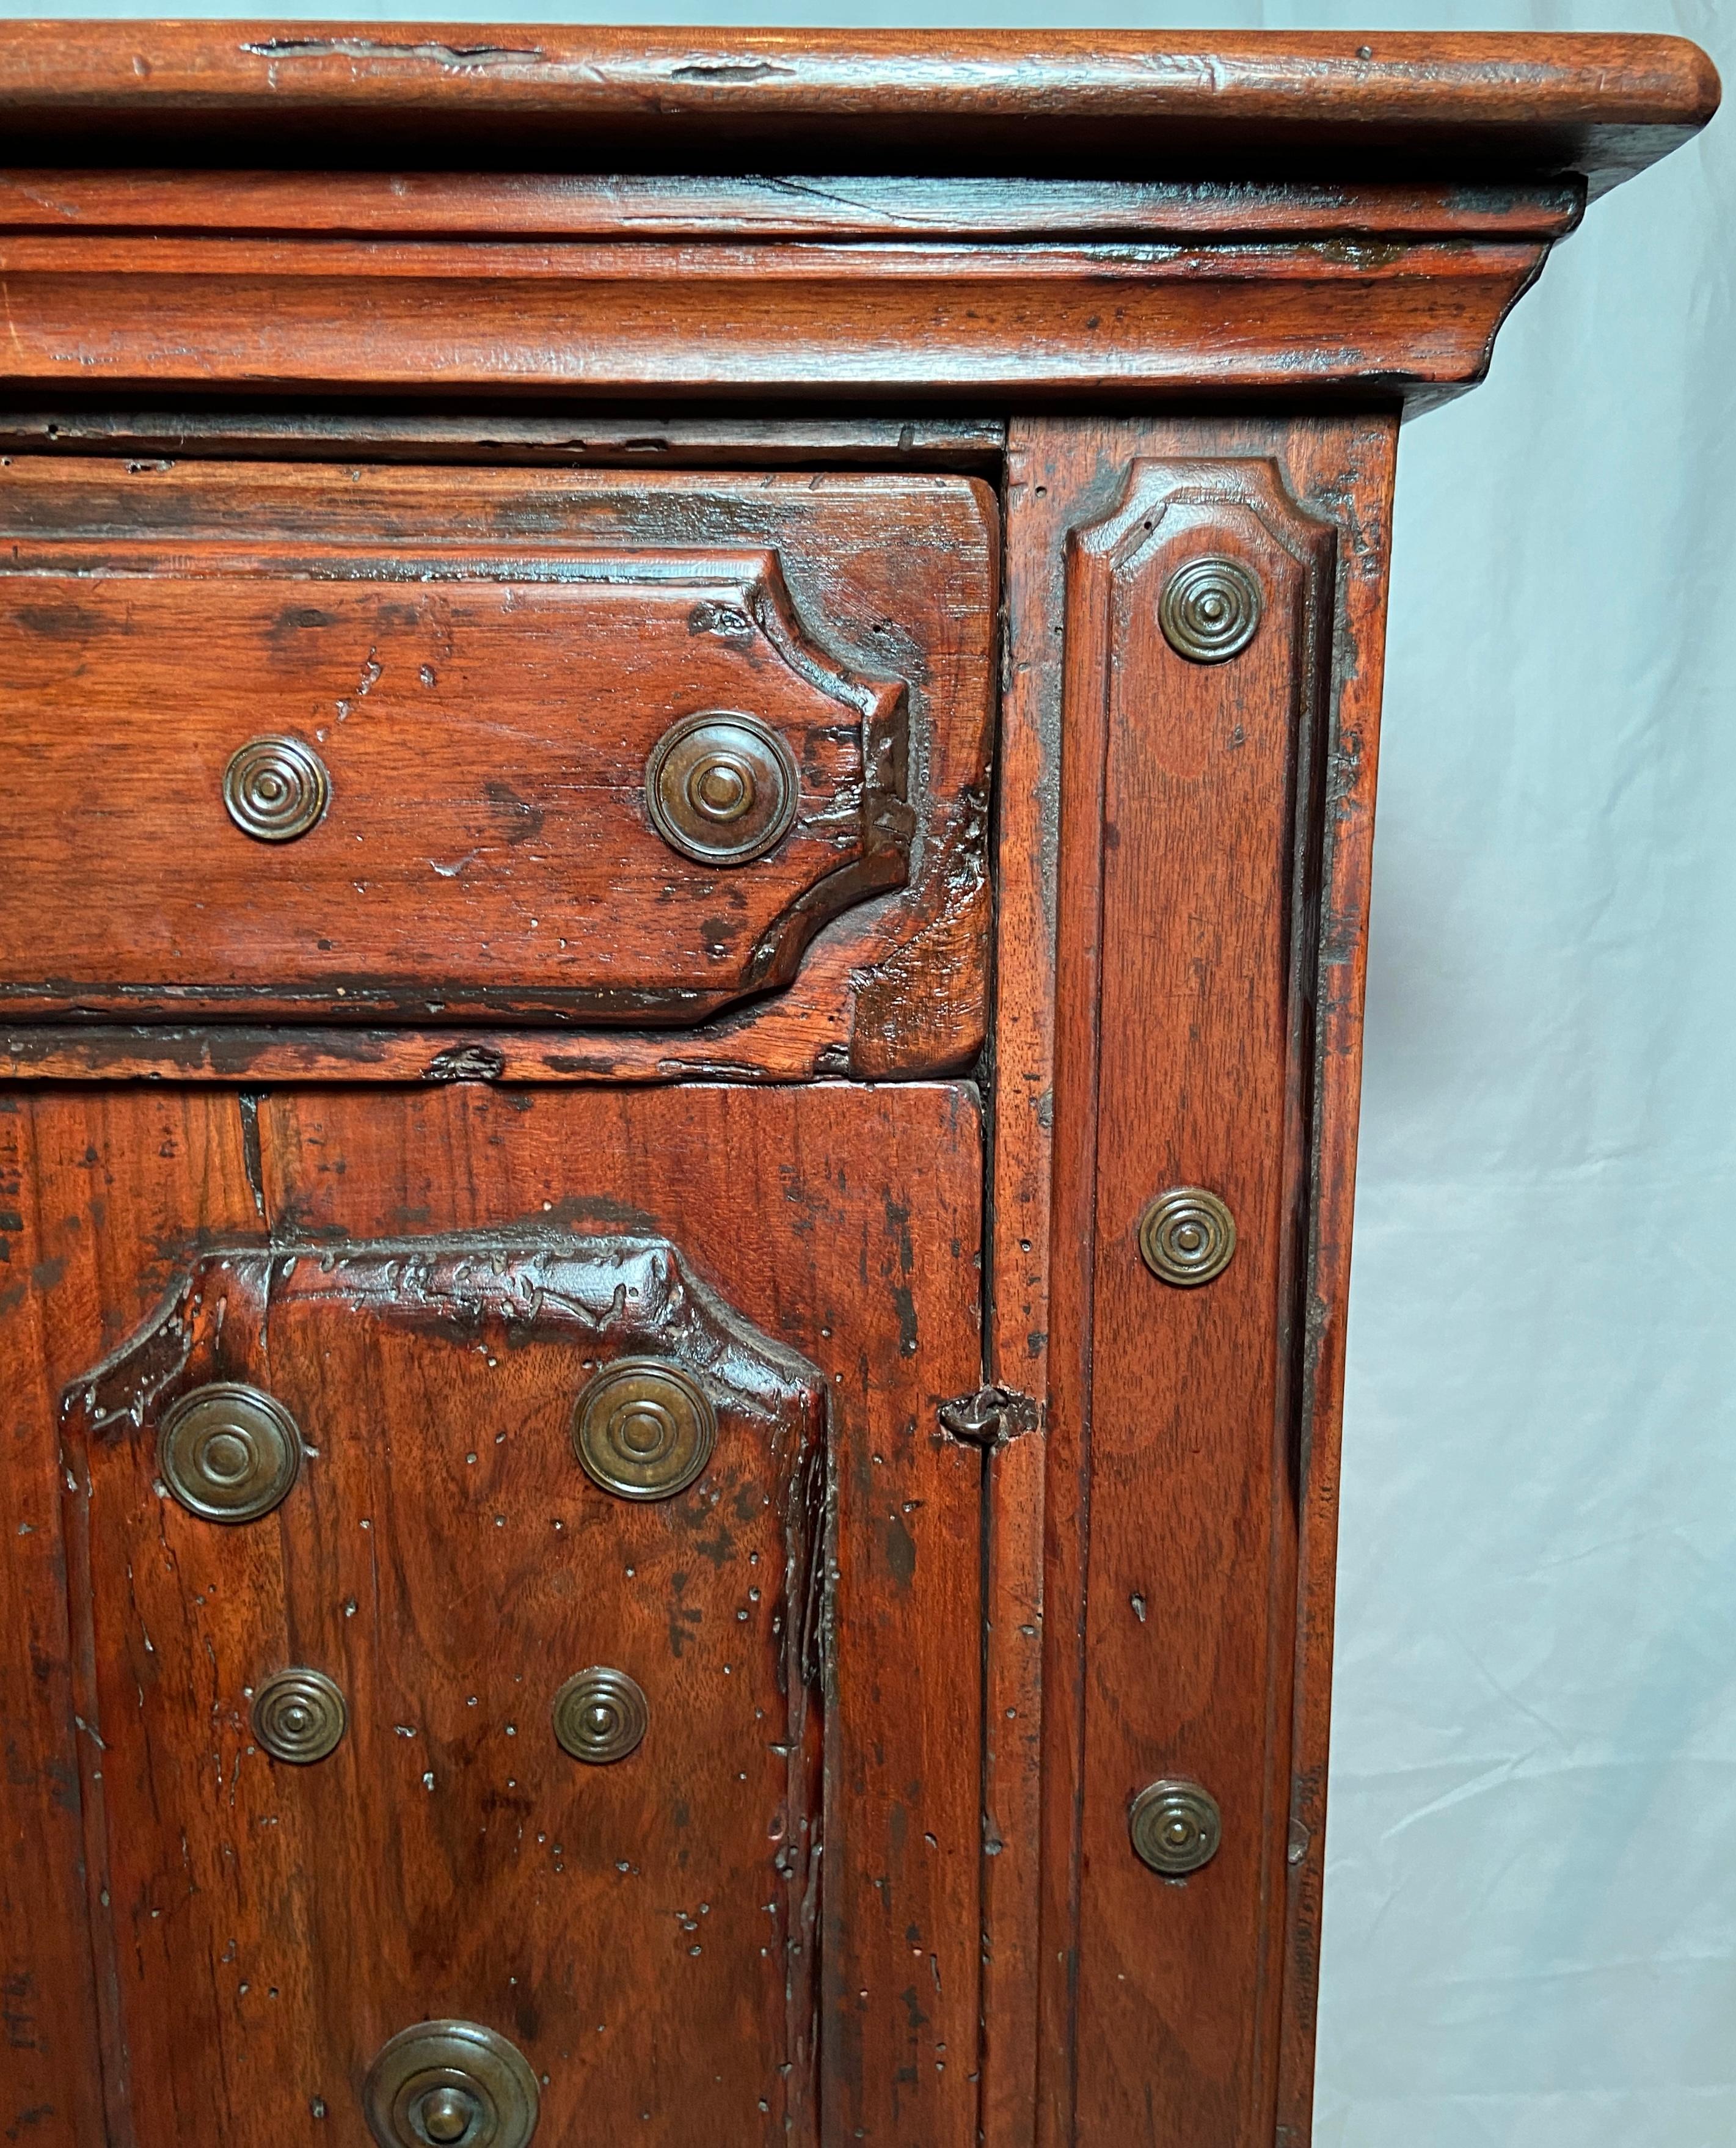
517	1589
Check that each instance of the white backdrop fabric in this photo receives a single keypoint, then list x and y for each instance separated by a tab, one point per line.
1531	1894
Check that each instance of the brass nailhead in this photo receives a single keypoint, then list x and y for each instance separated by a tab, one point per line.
228	1453
1211	608
276	789
721	788
600	1715
643	1429
299	1715
450	2085
1187	1235
1176	1827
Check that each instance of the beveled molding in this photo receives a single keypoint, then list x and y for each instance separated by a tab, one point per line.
552	440
1466	106
996	292
1084	216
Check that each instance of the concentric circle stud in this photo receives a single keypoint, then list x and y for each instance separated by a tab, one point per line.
450	2085
721	788
1175	1828
299	1715
600	1715
1186	1236
643	1429
276	789
228	1453
1210	610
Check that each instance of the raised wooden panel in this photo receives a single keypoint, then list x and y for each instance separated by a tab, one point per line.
444	877
644	1930
1201	1082
364	1255
1193	862
485	666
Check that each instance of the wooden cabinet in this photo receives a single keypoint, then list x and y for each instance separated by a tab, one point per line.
684	862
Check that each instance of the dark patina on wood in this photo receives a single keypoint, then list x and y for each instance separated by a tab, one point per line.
759	99
529	1423
485	664
443	1561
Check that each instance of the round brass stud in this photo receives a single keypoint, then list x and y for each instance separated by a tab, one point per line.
1210	610
1186	1236
643	1429
276	789
601	1715
228	1453
1175	1828
450	2085
299	1715
721	788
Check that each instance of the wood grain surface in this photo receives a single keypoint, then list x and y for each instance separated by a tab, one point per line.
484	663
867	1262
147	206
645	1930
981	322
112	1188
645	440
338	403
888	99
1203	911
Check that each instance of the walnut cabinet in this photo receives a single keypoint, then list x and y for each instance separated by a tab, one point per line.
687	758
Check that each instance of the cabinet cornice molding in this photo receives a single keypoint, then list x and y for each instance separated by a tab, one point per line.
1472	107
1075	220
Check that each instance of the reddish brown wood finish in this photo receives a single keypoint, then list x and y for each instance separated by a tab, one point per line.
1287	314
445	1561
776	1044
1112	1563
484	665
148	205
1019	1256
110	1187
891	99
48	2014
868	1266
599	437
865	1258
1192	1435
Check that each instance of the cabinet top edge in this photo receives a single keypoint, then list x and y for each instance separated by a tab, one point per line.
1467	106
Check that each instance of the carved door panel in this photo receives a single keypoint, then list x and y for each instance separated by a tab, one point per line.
450	1625
558	747
445	1726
